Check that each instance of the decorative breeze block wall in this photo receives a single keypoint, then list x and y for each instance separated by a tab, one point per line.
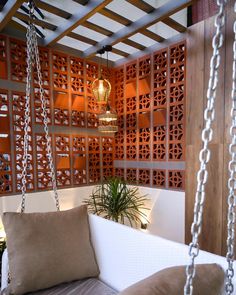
150	102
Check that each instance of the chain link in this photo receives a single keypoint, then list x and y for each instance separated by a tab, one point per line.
204	156
229	287
32	58
45	120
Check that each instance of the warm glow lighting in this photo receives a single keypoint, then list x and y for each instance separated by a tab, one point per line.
108	128
101	90
107	117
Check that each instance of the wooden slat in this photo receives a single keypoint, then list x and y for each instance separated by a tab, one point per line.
148	9
77	19
133	44
174	25
157	15
142	5
8	12
52	9
82	38
152	35
16	26
82	2
115	16
120	52
97	28
38	22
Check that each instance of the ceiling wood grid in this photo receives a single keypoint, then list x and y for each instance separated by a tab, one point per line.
130	26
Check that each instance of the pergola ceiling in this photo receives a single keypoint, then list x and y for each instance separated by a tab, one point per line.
88	25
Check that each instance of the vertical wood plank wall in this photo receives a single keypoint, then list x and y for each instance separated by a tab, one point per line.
199	50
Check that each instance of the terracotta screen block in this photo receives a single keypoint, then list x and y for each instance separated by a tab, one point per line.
79	162
144	85
78	103
159	117
61	100
5	144
130	89
144	120
4	123
3	69
63	162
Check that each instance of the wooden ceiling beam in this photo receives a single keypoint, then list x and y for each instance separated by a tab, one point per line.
52	9
82	38
97	28
157	15
144	6
133	44
38	22
120	52
82	2
75	20
8	12
152	35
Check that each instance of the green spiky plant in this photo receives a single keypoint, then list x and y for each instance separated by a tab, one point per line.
114	200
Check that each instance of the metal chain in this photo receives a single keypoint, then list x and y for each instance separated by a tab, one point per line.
204	155
229	287
33	57
30	57
45	119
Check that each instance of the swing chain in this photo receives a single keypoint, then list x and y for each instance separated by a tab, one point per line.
204	155
229	287
27	116
32	58
45	120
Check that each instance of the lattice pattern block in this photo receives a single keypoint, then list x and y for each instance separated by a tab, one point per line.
108	172
159	133
144	67
91	70
131	71
18	60
176	132
144	176
119	106
18	111
62	149
119	91
38	105
120	173
159	97
160	60
77	81
44	180
176	113
79	152
160	79
177	94
145	102
5	145
176	179
159	151
61	116
176	151
93	105
119	75
131	152
94	159
60	71
177	54
92	120
131	121
144	144
131	105
45	69
119	145
159	178
3	57
131	175
78	119
94	175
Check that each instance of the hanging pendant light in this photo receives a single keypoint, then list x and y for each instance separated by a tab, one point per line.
101	87
108	120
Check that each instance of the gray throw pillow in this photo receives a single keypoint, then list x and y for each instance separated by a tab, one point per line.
46	249
209	280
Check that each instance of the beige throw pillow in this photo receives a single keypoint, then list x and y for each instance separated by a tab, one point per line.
209	280
46	249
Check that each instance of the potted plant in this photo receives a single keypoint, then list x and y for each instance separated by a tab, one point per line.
114	200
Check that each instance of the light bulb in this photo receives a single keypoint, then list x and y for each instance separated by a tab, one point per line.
101	89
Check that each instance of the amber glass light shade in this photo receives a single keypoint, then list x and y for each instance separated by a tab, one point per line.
101	90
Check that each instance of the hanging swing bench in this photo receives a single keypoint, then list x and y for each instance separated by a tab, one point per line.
69	252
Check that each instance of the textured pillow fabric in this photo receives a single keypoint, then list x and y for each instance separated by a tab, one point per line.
46	249
209	280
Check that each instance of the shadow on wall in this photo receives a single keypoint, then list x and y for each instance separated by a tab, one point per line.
166	215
